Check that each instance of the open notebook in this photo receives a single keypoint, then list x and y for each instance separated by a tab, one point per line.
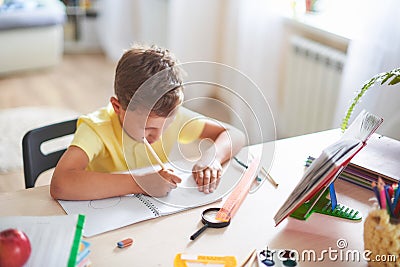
108	214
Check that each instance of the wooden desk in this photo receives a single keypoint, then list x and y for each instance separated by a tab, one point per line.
157	241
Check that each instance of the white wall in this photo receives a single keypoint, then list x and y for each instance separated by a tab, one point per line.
122	23
248	35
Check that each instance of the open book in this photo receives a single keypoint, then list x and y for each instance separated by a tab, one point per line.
111	213
328	165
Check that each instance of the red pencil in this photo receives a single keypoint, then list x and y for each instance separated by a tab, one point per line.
382	195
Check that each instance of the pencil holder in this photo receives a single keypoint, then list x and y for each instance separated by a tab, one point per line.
382	239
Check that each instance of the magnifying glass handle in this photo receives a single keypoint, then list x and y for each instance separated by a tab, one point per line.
202	229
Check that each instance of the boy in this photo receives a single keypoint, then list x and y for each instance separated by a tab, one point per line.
110	140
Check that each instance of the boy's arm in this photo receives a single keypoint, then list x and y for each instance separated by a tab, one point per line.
227	142
71	180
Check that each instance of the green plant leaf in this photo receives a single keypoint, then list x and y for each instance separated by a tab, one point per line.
388	76
382	78
395	80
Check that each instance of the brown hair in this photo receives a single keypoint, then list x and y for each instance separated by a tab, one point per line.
154	71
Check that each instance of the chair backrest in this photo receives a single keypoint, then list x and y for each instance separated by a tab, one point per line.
35	161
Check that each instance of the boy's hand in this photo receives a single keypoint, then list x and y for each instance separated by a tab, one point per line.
158	184
207	176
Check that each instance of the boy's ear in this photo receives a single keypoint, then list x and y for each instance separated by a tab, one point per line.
116	105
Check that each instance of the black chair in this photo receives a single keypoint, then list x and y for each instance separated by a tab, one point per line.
35	161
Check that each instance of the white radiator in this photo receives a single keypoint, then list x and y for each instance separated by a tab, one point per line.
311	85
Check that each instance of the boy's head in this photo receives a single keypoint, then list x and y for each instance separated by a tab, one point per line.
148	87
147	77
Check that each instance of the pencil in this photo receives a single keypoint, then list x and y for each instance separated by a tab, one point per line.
381	189
269	177
153	153
376	191
249	259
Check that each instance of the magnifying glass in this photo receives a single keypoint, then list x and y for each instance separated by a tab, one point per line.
208	218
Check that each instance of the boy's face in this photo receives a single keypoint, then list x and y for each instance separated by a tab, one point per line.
138	125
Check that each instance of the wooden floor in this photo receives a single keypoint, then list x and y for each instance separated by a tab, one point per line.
81	83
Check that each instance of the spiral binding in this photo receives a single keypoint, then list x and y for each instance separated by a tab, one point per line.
146	200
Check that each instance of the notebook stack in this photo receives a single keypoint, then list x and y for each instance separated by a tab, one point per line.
82	259
379	159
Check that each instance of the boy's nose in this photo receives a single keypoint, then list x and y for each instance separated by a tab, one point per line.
153	136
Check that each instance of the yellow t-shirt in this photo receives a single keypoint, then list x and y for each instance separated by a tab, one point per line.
109	149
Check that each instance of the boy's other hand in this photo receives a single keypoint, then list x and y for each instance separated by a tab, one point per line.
158	184
207	176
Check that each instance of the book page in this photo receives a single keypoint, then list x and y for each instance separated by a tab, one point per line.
51	237
363	126
107	214
187	194
111	213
